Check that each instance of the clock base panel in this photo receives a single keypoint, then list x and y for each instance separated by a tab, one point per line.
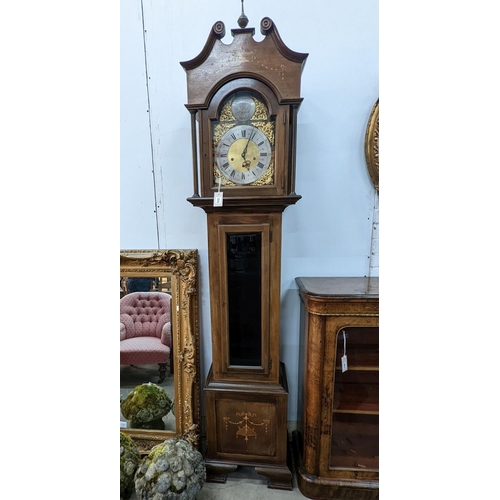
246	426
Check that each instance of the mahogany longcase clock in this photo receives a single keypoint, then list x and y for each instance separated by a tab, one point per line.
243	98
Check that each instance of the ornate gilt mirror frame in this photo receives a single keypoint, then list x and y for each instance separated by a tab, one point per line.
371	146
181	266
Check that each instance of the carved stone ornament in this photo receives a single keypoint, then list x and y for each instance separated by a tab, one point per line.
181	266
371	146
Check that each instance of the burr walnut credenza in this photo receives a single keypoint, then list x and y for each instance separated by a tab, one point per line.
337	438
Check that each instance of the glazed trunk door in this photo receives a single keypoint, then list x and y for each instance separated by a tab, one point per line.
245	277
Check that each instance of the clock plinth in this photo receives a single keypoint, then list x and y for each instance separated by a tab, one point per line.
246	426
243	98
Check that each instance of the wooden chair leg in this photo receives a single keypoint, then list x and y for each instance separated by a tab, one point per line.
163	371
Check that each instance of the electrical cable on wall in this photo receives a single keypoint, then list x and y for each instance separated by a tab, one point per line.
150	128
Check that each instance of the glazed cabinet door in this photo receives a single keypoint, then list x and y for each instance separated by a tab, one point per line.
354	445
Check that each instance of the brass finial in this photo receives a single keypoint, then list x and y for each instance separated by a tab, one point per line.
242	20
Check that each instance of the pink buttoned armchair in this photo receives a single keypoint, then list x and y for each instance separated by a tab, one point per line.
145	330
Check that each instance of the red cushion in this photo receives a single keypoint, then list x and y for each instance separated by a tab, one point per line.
143	351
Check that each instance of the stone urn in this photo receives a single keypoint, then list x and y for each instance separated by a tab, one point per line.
173	470
129	461
146	405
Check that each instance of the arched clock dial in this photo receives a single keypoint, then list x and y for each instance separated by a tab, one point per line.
243	154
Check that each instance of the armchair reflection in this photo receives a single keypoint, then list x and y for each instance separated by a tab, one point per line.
146	329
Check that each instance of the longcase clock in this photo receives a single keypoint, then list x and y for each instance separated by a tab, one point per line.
243	98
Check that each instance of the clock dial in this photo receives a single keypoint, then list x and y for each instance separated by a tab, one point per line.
243	154
243	142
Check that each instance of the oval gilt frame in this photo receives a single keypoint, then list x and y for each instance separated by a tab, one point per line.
371	146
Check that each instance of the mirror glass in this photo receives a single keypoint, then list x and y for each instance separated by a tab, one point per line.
159	346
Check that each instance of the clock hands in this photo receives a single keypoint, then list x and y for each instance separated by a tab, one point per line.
246	163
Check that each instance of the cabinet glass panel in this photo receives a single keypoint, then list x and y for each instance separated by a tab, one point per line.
356	402
244	255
